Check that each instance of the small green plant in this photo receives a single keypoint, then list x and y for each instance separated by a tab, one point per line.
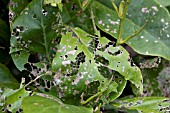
80	56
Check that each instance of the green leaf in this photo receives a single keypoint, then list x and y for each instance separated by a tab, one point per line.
20	58
34	30
73	16
155	34
14	98
150	71
49	104
77	61
164	2
144	104
15	8
6	78
54	3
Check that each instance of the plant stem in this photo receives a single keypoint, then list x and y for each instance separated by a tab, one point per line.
124	9
99	93
115	7
120	31
96	32
34	80
133	35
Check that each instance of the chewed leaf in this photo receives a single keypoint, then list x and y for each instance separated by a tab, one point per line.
15	8
155	33
117	57
34	30
13	99
144	104
54	3
80	62
49	104
76	68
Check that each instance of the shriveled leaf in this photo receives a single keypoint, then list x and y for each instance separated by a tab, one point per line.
6	78
34	30
155	34
49	104
144	104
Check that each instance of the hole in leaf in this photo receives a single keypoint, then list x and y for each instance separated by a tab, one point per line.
116	77
3	109
74	7
145	91
34	16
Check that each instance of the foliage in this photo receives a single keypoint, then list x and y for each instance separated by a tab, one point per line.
85	56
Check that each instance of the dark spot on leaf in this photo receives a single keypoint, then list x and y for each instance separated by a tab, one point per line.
145	91
159	104
75	48
44	12
166	100
18	53
20	110
34	16
116	77
46	89
9	105
130	104
120	81
8	111
118	52
3	109
90	61
66	56
74	7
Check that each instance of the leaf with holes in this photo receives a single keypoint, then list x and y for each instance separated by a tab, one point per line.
13	99
117	59
6	78
34	30
155	34
144	104
54	3
73	15
15	8
49	104
75	67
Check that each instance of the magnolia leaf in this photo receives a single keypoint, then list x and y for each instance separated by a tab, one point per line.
144	104
49	104
156	31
